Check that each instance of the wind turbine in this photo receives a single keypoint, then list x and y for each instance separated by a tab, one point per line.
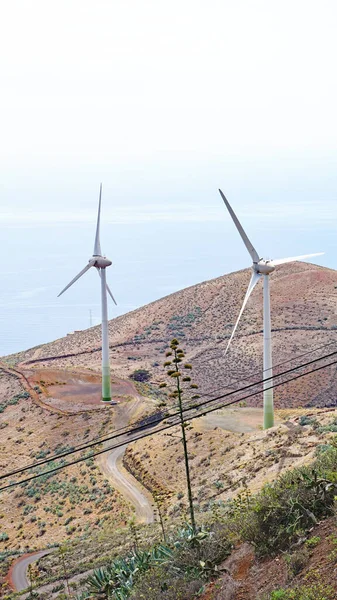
100	263
262	267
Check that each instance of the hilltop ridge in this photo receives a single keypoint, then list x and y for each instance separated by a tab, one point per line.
304	317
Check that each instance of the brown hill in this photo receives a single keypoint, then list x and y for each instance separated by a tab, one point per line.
303	299
63	409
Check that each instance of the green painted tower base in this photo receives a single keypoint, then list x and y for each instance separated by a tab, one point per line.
268	409
106	385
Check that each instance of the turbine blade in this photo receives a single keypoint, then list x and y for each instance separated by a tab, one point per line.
253	281
109	292
107	287
241	231
282	261
86	268
97	246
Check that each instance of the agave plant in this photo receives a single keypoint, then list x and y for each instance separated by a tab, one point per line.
101	583
116	581
189	536
209	569
161	554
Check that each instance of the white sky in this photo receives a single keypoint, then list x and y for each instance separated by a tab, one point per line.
164	102
129	81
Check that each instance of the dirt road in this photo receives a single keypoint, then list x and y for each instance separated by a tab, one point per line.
111	464
18	573
129	486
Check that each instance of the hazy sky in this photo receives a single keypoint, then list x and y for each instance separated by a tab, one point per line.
164	102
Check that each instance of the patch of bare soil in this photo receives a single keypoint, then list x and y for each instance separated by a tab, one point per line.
76	390
234	419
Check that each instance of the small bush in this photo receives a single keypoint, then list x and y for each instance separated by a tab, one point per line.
159	583
141	375
297	561
306	420
58	588
286	509
316	591
313	541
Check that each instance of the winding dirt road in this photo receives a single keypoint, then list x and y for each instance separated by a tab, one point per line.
18	572
111	464
128	485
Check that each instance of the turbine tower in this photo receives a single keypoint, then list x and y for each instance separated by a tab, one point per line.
100	263
262	267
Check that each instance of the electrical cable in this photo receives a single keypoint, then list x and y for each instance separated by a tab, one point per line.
124	430
152	422
170	425
274	367
158	420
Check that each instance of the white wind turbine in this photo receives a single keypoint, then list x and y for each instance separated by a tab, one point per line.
100	263
262	267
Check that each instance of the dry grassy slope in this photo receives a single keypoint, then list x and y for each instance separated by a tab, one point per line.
223	463
303	298
76	500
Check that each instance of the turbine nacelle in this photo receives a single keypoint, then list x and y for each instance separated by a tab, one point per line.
264	267
101	262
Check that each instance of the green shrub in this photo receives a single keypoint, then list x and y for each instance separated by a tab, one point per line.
316	591
284	510
321	448
279	595
42	454
297	561
306	420
313	541
58	588
141	375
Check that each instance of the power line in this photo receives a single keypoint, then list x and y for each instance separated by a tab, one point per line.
155	421
150	433
247	377
169	425
124	430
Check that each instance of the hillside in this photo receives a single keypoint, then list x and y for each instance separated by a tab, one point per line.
50	402
303	299
297	547
77	499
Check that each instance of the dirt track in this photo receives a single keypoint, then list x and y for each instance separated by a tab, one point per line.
111	464
18	572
